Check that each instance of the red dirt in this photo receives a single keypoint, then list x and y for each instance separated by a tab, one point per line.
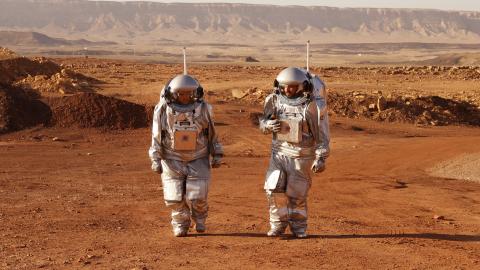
90	110
90	201
19	110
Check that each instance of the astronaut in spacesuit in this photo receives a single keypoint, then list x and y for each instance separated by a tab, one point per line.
296	115
183	140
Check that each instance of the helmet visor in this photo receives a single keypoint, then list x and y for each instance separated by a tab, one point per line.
291	90
183	96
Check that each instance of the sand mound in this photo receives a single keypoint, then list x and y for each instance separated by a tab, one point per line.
89	110
464	167
19	110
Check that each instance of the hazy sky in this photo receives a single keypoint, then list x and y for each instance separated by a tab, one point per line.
435	4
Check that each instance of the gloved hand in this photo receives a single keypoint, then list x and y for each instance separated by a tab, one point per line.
216	161
272	125
157	167
318	165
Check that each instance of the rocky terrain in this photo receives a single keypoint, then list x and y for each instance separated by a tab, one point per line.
6	53
40	75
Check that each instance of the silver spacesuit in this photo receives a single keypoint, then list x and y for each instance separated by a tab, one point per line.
183	138
300	145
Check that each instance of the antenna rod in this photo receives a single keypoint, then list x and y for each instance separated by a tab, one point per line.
184	61
308	55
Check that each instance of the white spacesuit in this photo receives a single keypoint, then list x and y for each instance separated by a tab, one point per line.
296	115
183	138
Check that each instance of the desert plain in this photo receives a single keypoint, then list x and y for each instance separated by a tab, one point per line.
401	189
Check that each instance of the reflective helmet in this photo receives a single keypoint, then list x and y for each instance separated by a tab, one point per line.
293	76
183	84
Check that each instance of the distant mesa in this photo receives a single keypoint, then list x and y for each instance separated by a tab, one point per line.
16	38
163	23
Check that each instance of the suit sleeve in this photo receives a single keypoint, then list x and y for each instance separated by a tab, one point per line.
268	112
318	123
215	148
155	150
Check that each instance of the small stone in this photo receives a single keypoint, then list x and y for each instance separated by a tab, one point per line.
56	139
237	93
437	217
91	256
434	123
84	84
43	264
89	154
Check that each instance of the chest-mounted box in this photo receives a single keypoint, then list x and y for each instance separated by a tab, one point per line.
185	136
290	130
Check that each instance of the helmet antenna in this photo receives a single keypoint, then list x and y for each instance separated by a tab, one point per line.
184	61
308	55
